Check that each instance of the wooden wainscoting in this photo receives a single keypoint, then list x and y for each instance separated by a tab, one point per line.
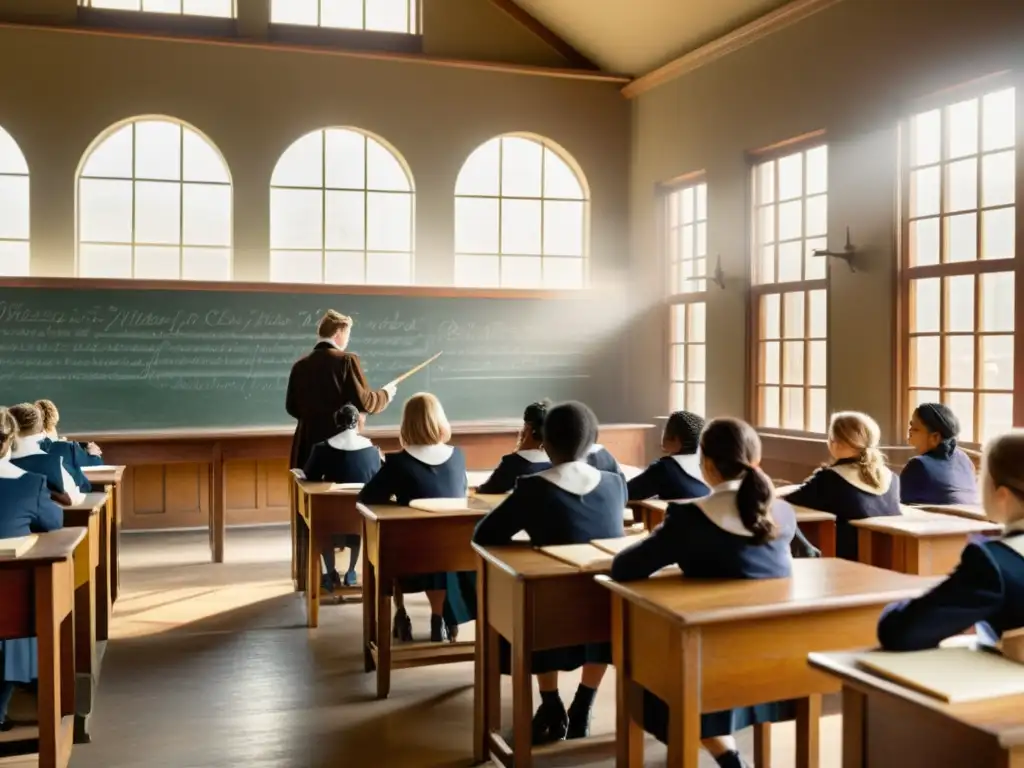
156	496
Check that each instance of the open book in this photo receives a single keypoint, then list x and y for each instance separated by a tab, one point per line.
346	486
586	557
951	675
461	504
614	546
18	546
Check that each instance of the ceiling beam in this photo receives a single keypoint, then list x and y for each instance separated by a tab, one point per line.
573	57
769	24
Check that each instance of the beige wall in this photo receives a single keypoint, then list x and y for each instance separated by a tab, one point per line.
59	90
852	70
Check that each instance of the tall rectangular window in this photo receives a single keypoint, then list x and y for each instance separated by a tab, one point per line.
960	223
790	290
687	357
401	16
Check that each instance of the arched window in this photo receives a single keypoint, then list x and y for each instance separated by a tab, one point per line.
154	202
341	211
521	217
223	8
13	208
377	15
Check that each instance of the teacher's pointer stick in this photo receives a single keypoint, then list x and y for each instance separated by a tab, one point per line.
407	374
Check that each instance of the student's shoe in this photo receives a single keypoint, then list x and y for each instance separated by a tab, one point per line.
579	712
326	583
453	631
731	759
351	579
438	629
335	579
6	725
402	629
550	723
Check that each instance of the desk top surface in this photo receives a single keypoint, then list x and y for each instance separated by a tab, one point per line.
921	524
384	512
803	515
50	547
1003	717
818	584
969	511
108	473
92	502
525	562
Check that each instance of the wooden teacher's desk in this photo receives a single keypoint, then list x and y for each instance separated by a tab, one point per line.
886	725
38	591
707	645
212	477
918	542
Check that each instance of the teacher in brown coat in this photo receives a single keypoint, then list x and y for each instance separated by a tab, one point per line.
323	382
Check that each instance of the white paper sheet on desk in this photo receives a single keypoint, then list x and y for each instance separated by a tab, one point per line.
99	468
17	546
951	675
346	486
463	504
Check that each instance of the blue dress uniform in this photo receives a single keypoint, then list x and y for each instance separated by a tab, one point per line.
572	503
707	539
985	591
25	508
29	456
839	490
944	475
670	477
427	472
601	458
513	466
71	455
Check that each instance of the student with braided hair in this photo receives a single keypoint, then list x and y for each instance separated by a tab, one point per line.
856	484
676	475
529	457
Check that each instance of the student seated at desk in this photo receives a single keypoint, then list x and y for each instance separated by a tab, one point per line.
856	485
571	503
84	454
426	468
940	473
676	475
987	588
601	458
29	455
740	531
25	508
348	457
529	458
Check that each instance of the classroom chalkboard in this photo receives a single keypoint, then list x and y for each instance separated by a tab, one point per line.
128	359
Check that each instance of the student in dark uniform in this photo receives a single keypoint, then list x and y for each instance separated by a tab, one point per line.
987	588
84	454
348	457
940	473
25	508
28	455
856	485
426	468
571	503
529	458
676	475
601	458
740	531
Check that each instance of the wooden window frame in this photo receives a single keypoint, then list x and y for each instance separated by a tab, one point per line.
27	175
907	274
774	152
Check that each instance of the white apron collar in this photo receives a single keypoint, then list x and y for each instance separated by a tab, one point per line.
1014	542
28	445
690	464
434	455
9	471
534	455
595	448
575	477
851	474
349	440
720	508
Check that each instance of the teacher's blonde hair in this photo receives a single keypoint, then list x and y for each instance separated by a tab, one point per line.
424	421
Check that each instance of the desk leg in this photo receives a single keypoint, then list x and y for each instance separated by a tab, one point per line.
85	631
522	678
312	579
383	640
218	521
487	669
115	543
369	600
808	721
827	539
684	709
54	585
864	553
105	575
629	732
763	745
293	513
854	728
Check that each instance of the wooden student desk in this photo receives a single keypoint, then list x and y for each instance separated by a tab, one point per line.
111	477
320	513
920	542
38	591
707	645
968	511
87	515
399	541
818	527
886	725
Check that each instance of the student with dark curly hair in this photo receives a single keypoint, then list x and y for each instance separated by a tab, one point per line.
676	475
529	457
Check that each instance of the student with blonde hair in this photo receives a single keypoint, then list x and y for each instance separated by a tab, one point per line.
426	468
986	590
29	455
856	484
81	454
25	508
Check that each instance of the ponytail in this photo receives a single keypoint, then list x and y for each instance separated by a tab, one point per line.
871	466
754	502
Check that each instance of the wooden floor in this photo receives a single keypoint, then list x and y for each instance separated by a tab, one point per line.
210	666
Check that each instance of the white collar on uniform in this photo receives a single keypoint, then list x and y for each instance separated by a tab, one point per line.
52	434
28	445
9	471
720	508
595	448
534	455
690	464
1014	543
851	474
349	440
576	477
433	455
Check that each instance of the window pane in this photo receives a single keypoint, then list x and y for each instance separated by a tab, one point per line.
819	314
678	331
963	128
563	273
563	228
996	415
817	170
766	183
924	242
793	315
14	259
819	416
520	226
677	362
560	180
924	361
388	221
792	408
521	167
791	171
345	222
817	216
962	404
157	262
340	14
157	150
111	261
11	158
960	362
294	11
960	303
770	316
925	186
345	267
112	157
702	201
206	216
206	264
926	298
791	258
997	362
296	266
815	266
790	220
793	365
962	185
997	301
201	162
105	211
695	370
220	8
476	225
926	137
770	407
296	218
302	164
998	120
771	362
701	247
480	173
918	396
766	227
520	272
480	271
157	212
696	315
816	365
345	161
388	15
695	398
998	177
14	207
389	268
998	234
766	266
962	237
383	169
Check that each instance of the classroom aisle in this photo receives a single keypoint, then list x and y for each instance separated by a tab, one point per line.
210	667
